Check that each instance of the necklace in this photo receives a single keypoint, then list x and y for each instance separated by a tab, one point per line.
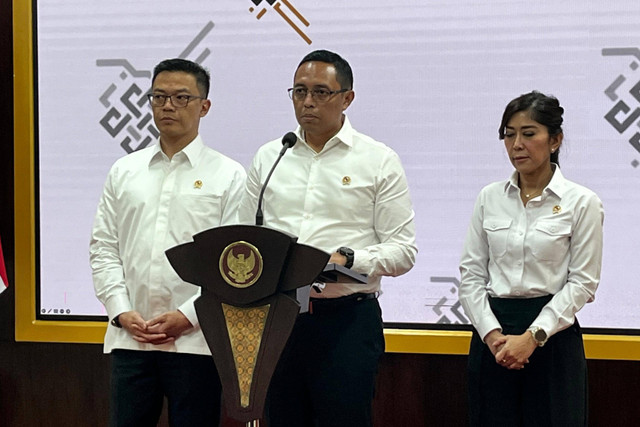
535	193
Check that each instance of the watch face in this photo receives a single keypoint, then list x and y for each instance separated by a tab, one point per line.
540	335
345	251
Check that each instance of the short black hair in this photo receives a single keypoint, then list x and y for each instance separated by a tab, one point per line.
544	109
344	75
203	78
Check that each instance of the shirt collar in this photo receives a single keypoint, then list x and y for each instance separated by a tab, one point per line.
191	152
556	185
344	135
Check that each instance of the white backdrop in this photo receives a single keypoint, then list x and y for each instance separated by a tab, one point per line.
431	80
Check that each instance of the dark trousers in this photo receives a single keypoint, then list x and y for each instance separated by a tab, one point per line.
551	390
140	380
326	375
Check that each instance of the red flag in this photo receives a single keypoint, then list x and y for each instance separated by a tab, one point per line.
4	282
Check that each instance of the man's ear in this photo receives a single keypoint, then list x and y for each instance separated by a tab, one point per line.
348	99
206	105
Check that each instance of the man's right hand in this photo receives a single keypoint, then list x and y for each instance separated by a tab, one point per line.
133	322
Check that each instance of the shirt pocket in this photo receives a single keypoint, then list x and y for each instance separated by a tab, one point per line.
195	213
550	240
497	230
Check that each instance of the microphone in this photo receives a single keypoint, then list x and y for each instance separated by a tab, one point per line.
288	141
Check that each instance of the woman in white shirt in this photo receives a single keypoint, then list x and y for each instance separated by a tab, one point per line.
531	261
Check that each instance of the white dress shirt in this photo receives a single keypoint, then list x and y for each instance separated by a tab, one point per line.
353	193
151	203
553	245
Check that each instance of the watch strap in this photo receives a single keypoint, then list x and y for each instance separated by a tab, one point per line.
116	321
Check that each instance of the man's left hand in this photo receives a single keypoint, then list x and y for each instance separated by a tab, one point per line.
337	258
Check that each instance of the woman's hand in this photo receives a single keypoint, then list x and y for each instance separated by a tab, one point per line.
513	351
491	338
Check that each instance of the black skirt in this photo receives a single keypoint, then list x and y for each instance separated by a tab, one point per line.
551	390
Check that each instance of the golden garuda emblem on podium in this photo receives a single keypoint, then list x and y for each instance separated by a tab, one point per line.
241	264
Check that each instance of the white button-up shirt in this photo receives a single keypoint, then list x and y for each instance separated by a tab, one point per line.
553	245
353	193
151	203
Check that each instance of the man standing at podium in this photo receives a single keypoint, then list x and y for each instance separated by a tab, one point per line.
154	199
345	193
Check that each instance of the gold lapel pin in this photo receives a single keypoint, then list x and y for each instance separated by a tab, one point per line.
557	209
197	184
346	180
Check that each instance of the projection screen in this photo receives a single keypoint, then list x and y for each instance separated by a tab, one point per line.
431	80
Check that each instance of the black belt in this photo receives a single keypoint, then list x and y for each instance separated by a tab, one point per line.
323	305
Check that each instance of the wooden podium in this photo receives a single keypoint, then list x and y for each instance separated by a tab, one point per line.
247	309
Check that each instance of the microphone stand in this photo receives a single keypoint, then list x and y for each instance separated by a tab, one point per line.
287	143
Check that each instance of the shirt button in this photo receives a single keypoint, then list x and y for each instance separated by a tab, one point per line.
517	293
519	262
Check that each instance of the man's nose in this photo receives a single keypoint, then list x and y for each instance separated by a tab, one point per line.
309	100
168	104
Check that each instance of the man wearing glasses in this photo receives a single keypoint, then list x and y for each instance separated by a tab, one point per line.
154	199
345	193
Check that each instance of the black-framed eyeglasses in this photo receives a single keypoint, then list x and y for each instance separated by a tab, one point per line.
178	101
320	94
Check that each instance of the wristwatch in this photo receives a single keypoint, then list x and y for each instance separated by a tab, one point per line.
348	253
539	335
116	321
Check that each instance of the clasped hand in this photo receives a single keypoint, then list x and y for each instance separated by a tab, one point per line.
162	329
511	351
